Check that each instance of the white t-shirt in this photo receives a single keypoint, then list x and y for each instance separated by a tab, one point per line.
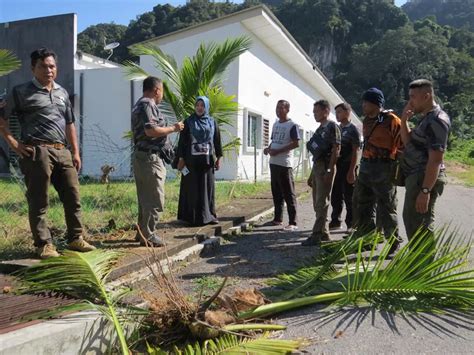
283	133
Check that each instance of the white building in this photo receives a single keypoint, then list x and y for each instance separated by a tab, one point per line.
274	68
103	101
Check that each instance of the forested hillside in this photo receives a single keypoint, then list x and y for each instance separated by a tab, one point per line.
357	44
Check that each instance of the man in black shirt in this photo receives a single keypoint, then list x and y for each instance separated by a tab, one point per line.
346	168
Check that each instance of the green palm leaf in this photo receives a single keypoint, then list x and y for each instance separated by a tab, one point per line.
233	344
81	275
429	273
8	62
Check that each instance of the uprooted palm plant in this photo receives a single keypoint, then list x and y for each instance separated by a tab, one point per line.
430	273
175	319
202	74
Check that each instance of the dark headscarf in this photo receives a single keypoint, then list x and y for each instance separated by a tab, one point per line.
202	127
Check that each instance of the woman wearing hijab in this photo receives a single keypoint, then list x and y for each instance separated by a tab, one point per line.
200	153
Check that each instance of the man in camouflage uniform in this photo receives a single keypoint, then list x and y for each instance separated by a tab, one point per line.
422	161
47	124
374	187
324	145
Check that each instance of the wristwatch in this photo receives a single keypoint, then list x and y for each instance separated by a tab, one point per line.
328	171
425	190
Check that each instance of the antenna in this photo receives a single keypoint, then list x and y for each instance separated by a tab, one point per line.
110	47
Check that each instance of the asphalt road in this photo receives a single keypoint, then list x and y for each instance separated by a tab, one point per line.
266	251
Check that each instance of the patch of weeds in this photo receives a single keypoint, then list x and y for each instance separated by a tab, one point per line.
207	285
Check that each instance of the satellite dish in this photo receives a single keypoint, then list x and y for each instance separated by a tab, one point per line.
111	46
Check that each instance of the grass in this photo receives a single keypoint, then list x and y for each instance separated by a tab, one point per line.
460	161
100	204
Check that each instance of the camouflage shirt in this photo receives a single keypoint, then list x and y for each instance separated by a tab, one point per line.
42	114
430	134
146	114
330	133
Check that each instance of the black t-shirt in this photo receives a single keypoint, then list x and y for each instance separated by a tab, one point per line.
350	137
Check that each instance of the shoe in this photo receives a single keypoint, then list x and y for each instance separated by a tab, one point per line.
153	241
276	223
333	225
310	241
47	251
79	244
291	228
325	237
214	222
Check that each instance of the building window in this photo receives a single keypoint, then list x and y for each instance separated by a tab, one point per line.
254	131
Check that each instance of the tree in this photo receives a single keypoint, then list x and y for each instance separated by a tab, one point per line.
93	39
199	75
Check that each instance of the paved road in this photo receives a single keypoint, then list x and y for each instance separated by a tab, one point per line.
250	259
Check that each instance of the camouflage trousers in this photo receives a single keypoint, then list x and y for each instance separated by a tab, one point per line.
373	192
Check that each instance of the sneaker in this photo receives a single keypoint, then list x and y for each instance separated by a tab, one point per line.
47	251
214	222
276	223
291	228
153	241
79	244
333	225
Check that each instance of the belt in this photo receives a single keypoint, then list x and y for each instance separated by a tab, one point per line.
376	160
147	150
47	144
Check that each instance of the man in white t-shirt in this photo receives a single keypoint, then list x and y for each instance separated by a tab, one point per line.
285	138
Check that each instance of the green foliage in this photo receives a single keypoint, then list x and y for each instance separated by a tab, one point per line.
81	275
462	152
93	39
233	344
8	62
428	274
456	13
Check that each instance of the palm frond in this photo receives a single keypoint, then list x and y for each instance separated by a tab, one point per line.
133	71
307	280
429	273
233	344
81	275
8	62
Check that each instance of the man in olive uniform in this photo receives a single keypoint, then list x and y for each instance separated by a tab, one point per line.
422	161
47	125
374	187
324	145
150	135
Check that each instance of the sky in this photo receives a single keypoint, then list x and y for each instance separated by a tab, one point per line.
89	12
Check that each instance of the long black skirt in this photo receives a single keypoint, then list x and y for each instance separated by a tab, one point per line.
196	197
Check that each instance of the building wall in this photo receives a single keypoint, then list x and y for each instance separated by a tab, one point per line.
105	117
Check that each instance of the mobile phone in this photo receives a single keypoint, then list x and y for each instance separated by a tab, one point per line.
185	171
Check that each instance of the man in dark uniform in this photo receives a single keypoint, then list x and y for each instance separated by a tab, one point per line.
346	168
374	187
47	123
422	161
324	145
150	138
